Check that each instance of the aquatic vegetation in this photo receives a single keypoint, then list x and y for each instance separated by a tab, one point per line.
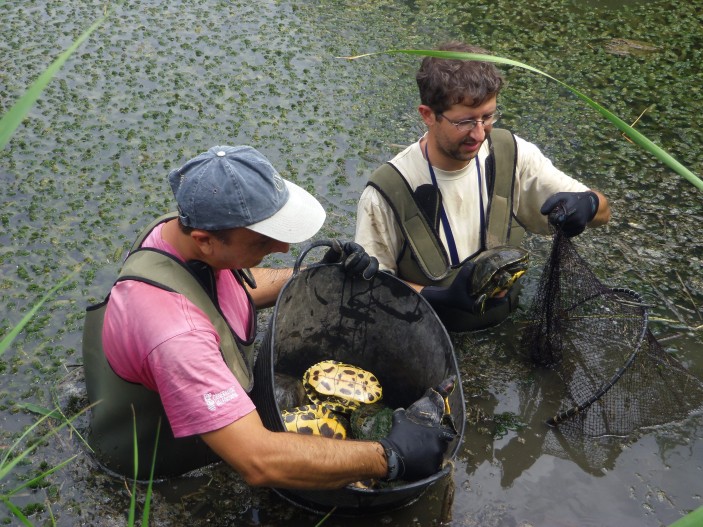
156	84
506	422
633	134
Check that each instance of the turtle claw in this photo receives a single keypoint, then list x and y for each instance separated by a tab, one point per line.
480	304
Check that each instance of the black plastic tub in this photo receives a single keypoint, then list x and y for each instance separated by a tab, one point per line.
381	325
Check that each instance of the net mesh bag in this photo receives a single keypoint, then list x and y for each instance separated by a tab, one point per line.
617	378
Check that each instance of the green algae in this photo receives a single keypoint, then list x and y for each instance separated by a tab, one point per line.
159	83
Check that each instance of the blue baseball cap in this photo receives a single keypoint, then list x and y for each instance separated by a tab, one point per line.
236	186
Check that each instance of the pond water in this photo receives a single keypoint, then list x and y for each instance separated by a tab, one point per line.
160	82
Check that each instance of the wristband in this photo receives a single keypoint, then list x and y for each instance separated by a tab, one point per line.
392	462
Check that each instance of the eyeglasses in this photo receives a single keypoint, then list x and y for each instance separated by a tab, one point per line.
469	124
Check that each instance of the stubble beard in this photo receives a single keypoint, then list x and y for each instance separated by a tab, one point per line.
453	151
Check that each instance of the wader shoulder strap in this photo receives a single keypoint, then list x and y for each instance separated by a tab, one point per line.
423	242
502	229
163	270
145	232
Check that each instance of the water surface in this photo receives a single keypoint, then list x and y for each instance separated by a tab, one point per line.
161	82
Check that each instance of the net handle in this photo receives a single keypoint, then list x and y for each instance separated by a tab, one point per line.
567	414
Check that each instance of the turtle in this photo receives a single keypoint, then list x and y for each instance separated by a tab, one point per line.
371	421
433	407
340	386
496	270
315	419
288	391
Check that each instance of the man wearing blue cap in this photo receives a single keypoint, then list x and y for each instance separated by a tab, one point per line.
169	354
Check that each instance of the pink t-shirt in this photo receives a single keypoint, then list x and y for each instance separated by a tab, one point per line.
162	340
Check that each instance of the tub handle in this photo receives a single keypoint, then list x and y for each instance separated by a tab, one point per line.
299	260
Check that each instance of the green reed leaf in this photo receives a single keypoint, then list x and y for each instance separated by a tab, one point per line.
149	490
7	339
16	511
13	118
633	134
692	519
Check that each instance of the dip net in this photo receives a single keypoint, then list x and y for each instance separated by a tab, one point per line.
617	377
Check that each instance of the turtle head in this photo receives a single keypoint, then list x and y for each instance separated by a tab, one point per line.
445	388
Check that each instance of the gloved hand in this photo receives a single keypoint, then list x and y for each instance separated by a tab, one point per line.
457	294
414	451
571	210
354	259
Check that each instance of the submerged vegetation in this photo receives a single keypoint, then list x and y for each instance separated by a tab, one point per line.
155	84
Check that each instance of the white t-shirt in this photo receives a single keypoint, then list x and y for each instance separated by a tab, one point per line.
536	179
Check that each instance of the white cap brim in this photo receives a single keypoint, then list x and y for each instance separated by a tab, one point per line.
298	220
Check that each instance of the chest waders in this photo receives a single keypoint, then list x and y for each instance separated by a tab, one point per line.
423	259
121	408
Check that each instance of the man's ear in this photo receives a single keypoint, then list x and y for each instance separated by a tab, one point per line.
204	240
427	114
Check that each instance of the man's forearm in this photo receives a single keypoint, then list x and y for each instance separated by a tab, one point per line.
269	282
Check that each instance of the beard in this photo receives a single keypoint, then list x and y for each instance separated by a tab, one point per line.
457	150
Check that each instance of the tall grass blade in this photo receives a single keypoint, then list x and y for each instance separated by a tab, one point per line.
12	119
7	464
133	497
326	517
7	339
630	132
15	510
41	476
41	410
147	499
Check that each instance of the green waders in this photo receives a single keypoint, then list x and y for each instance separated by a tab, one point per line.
121	408
423	259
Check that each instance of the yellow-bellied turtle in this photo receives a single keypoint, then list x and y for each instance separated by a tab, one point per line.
340	386
313	419
496	270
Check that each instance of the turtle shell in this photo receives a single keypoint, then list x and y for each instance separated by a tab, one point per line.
313	419
497	269
341	386
288	391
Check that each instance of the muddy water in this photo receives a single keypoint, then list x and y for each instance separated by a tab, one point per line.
160	82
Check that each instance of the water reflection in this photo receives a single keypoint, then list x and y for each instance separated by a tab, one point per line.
154	85
516	445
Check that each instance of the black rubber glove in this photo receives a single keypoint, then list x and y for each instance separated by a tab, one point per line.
414	451
457	295
354	259
571	211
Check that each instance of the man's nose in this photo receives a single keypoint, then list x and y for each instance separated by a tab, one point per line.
280	247
478	132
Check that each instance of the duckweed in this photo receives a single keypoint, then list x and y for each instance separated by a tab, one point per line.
160	83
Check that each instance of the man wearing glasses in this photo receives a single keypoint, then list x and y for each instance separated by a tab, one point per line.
462	188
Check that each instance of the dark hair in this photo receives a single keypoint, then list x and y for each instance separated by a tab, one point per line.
222	234
446	82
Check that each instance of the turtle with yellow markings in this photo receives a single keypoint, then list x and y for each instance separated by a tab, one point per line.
341	387
315	419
